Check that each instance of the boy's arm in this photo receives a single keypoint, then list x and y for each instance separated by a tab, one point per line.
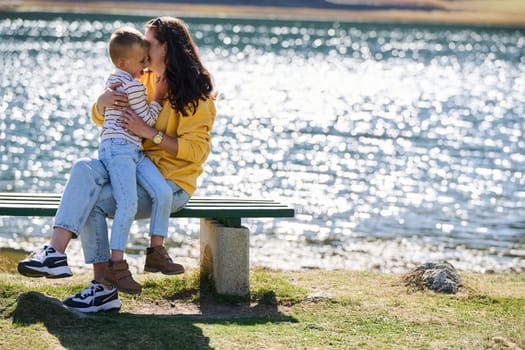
138	103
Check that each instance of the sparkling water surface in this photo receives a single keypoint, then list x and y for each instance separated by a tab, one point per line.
396	144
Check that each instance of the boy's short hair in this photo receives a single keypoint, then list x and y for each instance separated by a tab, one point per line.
122	40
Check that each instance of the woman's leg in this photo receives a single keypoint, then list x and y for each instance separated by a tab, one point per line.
85	182
95	245
97	297
60	239
86	179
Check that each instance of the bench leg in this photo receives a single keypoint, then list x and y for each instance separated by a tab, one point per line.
225	255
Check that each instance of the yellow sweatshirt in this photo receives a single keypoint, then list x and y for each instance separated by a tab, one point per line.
193	133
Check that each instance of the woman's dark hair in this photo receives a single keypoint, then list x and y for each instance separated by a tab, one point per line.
188	80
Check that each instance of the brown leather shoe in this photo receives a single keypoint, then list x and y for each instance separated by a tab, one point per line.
118	275
157	259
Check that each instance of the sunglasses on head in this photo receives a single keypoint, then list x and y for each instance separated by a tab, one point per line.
157	22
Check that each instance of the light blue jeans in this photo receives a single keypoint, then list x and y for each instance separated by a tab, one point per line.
127	165
88	200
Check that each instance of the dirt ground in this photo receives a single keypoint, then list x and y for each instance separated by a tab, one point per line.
205	309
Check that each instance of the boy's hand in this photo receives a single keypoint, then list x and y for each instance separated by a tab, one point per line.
111	98
120	99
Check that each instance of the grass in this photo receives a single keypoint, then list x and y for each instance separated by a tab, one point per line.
287	310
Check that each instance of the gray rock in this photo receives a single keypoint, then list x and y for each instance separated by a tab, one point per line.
47	305
439	277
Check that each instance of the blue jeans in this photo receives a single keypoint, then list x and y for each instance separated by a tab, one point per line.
127	165
88	200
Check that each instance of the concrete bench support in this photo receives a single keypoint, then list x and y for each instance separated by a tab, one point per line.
225	255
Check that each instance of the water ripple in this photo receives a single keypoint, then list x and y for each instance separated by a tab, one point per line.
394	142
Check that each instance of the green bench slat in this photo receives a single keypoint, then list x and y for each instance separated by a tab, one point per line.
46	204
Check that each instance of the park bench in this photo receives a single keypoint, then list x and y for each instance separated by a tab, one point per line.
224	242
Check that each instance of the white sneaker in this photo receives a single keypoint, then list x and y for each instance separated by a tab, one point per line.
96	297
45	262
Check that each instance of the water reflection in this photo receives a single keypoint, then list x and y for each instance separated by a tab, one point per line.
395	143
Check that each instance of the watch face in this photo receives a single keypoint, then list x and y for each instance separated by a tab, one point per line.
157	139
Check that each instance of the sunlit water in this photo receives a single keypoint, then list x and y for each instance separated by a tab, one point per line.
396	144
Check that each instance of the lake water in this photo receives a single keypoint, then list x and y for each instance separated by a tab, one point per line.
397	144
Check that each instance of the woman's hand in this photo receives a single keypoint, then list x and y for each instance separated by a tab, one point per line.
131	122
111	98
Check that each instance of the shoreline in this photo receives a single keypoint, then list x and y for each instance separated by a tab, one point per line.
472	12
290	256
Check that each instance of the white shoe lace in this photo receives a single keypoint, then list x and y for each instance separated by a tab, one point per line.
39	254
88	291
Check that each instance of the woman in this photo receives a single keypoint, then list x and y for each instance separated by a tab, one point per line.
178	145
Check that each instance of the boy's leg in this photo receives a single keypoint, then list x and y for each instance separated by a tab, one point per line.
166	197
150	178
120	158
124	186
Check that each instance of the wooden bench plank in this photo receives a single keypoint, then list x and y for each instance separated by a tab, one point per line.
46	204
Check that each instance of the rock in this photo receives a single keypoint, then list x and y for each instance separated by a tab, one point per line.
34	306
319	296
439	277
507	344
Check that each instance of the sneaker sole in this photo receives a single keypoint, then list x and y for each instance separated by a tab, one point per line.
164	272
44	272
112	305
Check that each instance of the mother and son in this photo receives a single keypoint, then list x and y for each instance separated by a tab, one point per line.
155	138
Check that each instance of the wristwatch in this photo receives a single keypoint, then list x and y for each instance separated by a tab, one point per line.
157	139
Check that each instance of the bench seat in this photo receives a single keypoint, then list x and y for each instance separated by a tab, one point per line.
224	241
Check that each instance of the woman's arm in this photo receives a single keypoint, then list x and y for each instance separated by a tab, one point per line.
109	98
132	122
192	140
194	135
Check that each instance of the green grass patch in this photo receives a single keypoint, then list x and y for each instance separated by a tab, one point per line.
285	310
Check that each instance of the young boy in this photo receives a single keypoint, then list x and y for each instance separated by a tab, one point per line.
121	154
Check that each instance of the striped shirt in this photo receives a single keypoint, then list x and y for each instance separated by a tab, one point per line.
137	99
